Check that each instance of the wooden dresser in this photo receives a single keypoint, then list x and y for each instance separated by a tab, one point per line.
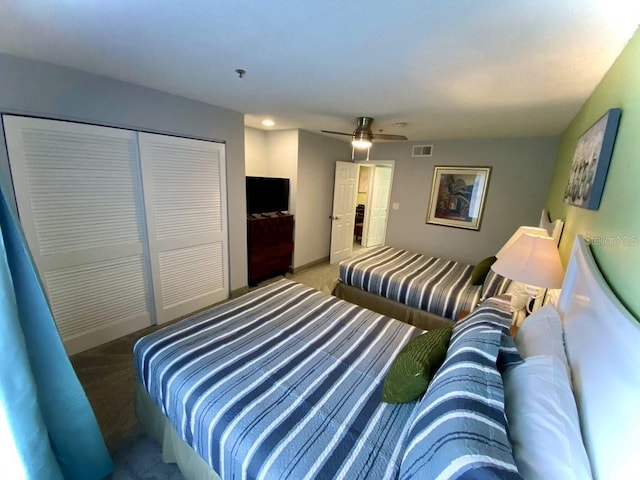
269	246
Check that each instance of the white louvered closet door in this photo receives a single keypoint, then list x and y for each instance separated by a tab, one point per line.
78	194
184	183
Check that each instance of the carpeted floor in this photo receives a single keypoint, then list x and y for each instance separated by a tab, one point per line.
107	375
139	458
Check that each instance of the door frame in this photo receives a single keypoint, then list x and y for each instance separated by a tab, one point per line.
367	209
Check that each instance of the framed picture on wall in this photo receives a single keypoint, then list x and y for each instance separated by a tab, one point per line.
591	161
457	196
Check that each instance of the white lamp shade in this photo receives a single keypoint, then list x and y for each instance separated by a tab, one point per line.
541	232
532	260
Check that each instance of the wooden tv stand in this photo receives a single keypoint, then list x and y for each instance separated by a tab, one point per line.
269	246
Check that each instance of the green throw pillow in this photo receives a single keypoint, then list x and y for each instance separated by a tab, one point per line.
481	270
415	365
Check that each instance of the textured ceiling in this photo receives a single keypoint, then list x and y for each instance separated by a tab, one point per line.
448	69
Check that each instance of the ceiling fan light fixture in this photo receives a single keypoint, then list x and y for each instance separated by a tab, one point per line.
362	140
363	136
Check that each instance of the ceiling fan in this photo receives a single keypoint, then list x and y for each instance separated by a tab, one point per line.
363	136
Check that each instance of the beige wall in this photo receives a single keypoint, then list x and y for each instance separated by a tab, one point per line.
255	152
282	161
521	171
317	157
273	154
308	160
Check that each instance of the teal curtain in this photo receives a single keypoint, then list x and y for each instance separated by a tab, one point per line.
49	417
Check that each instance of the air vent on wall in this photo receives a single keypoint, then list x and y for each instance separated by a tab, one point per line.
422	150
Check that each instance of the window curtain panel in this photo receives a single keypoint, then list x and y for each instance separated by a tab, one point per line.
48	421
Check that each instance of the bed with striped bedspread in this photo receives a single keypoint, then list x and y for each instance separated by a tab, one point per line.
286	382
435	285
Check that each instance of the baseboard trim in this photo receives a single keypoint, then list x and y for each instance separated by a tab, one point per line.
106	334
238	292
309	265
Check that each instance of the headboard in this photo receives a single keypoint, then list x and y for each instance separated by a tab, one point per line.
554	228
602	340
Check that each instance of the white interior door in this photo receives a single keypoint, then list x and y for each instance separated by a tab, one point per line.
344	210
184	185
80	207
376	224
369	188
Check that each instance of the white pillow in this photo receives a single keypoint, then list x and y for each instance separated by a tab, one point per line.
541	334
543	421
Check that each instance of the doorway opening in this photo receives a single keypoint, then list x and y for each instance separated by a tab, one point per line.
365	175
362	192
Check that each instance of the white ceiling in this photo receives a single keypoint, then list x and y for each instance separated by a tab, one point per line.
449	69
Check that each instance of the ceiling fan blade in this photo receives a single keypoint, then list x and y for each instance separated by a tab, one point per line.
386	136
337	133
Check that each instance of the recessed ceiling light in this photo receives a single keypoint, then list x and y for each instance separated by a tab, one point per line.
268	122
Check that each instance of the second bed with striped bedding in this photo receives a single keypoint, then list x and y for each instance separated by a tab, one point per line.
435	285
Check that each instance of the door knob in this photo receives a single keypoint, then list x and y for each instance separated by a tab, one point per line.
334	218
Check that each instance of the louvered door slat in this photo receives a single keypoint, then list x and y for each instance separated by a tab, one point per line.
78	194
184	190
186	273
95	296
187	182
61	178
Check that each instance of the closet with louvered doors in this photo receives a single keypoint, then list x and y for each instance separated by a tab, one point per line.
123	227
185	194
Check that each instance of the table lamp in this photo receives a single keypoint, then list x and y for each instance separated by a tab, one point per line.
532	260
541	232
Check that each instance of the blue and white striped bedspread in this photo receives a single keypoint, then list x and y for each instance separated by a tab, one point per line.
432	284
284	382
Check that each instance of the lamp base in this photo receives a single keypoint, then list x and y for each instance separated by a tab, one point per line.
522	297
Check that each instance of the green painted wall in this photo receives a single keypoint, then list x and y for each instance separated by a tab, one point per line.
615	227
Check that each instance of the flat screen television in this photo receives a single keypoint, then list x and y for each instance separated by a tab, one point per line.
266	195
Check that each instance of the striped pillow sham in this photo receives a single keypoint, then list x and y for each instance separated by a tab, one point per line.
459	428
